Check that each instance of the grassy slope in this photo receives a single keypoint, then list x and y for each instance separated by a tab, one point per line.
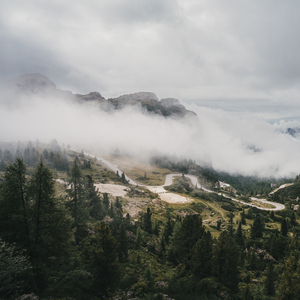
136	170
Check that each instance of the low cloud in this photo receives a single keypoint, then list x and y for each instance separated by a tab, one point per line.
248	146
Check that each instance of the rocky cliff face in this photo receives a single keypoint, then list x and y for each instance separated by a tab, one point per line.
38	84
150	103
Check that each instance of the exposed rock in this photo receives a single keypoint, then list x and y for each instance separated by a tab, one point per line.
33	84
161	284
294	132
92	96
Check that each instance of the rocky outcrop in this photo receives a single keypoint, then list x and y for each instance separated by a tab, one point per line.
38	84
151	104
92	96
28	297
294	132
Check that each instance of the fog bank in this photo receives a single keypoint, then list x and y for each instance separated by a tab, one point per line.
248	146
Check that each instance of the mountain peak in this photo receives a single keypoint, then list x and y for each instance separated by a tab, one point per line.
31	83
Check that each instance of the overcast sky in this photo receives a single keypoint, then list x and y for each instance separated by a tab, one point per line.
239	61
217	51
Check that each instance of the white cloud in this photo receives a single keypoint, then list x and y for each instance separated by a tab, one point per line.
186	49
248	146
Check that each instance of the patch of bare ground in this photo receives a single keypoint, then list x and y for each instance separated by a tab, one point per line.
113	189
174	198
134	205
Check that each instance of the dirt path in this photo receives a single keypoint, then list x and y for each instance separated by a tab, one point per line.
174	198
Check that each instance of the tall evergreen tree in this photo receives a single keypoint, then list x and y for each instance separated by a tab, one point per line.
293	219
168	229
187	236
230	226
202	257
243	217
239	237
147	221
225	255
42	193
15	209
51	227
284	227
77	204
269	281
257	227
103	261
122	244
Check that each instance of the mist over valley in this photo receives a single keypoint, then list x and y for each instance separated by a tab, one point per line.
141	125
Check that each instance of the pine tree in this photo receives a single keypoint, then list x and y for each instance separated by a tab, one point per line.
269	281
123	178
122	244
103	261
257	227
49	223
293	219
187	236
284	227
15	209
105	201
77	204
156	228
225	255
243	218
93	198
162	249
147	221
239	238
230	226
168	229
202	257
274	251
149	279
139	238
42	193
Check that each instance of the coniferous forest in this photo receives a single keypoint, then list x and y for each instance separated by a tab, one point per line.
65	240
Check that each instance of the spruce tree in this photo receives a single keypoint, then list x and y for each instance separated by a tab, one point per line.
77	202
257	227
168	229
15	209
103	261
138	238
225	255
202	257
239	238
293	219
147	221
122	244
106	201
269	281
42	193
284	227
243	217
187	236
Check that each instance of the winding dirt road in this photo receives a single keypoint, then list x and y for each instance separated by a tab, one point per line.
169	179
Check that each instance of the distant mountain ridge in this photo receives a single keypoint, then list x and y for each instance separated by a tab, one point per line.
40	84
294	132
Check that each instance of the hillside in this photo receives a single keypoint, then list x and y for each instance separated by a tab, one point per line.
135	244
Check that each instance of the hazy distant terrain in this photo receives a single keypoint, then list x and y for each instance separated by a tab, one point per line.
140	124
